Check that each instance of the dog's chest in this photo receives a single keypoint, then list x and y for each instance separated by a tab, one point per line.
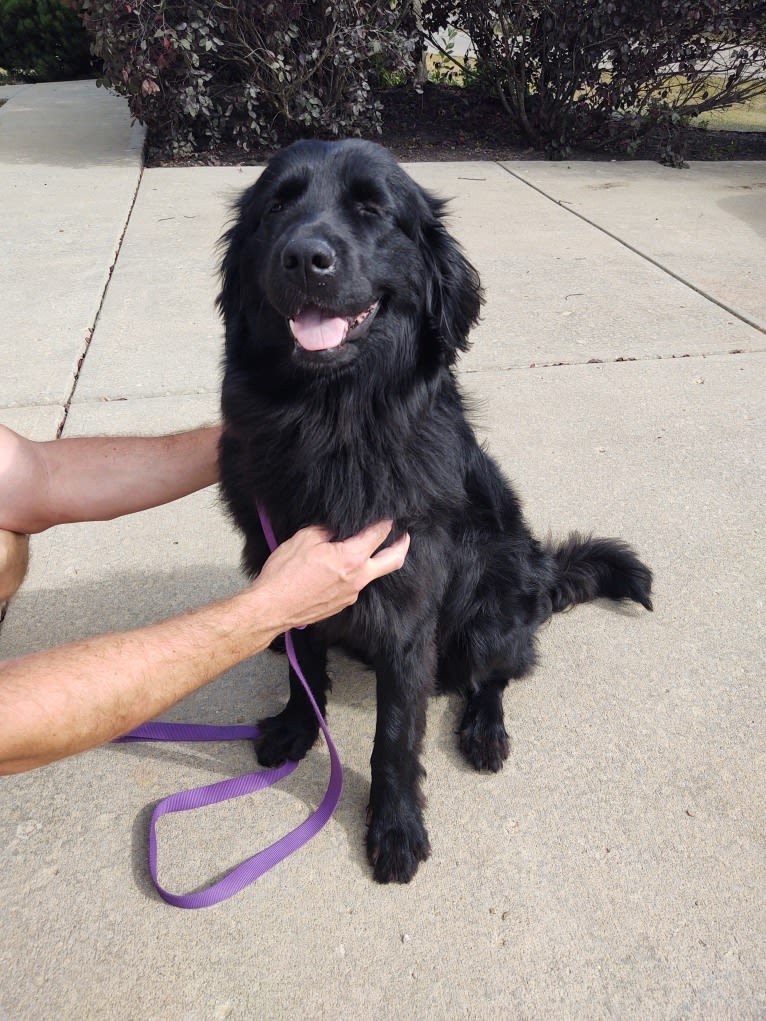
347	474
339	483
346	456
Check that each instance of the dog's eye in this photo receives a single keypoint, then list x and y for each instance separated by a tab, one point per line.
369	209
276	207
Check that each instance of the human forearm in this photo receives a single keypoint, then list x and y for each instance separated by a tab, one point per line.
66	700
98	478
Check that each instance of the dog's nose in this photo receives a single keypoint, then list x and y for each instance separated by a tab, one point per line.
314	257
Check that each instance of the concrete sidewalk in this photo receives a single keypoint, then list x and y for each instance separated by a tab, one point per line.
616	867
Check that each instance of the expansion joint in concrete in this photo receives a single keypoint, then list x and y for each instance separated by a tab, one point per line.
92	328
641	254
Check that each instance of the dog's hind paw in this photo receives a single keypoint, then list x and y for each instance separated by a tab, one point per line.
395	851
484	741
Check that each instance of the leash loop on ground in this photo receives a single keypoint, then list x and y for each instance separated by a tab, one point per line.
199	797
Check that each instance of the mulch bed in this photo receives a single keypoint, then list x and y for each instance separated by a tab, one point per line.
446	123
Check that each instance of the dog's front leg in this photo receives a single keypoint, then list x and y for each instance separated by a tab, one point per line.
396	836
291	733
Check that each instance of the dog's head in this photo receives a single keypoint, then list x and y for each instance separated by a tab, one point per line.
335	250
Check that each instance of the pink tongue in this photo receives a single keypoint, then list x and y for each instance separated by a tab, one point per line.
315	330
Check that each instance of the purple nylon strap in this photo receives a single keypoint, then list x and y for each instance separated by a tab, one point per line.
199	797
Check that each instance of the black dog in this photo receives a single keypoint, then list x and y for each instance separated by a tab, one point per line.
346	303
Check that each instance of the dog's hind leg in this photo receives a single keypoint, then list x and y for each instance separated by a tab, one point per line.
482	735
397	840
291	733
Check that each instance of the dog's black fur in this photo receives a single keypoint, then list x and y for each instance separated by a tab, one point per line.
376	428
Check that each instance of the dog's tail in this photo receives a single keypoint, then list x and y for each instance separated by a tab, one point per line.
587	568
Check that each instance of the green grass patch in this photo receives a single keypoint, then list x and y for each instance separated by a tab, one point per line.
747	116
750	116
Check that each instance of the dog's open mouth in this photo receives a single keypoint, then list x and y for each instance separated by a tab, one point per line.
319	329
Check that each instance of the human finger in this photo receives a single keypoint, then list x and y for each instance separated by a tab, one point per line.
391	558
362	545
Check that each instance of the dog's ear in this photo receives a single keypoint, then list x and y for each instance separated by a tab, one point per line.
453	288
231	244
236	247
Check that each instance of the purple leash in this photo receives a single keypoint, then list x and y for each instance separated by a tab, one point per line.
199	797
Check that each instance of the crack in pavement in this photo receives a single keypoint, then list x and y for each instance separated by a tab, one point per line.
92	328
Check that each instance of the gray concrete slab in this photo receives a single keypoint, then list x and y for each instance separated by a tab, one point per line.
559	291
9	91
156	337
706	224
611	870
70	163
68	124
38	423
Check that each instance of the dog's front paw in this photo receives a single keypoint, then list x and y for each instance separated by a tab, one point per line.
484	740
285	737
396	847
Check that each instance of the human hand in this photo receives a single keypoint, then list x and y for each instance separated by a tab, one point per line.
310	578
14	555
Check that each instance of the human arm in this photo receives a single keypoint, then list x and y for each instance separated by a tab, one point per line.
101	477
66	700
